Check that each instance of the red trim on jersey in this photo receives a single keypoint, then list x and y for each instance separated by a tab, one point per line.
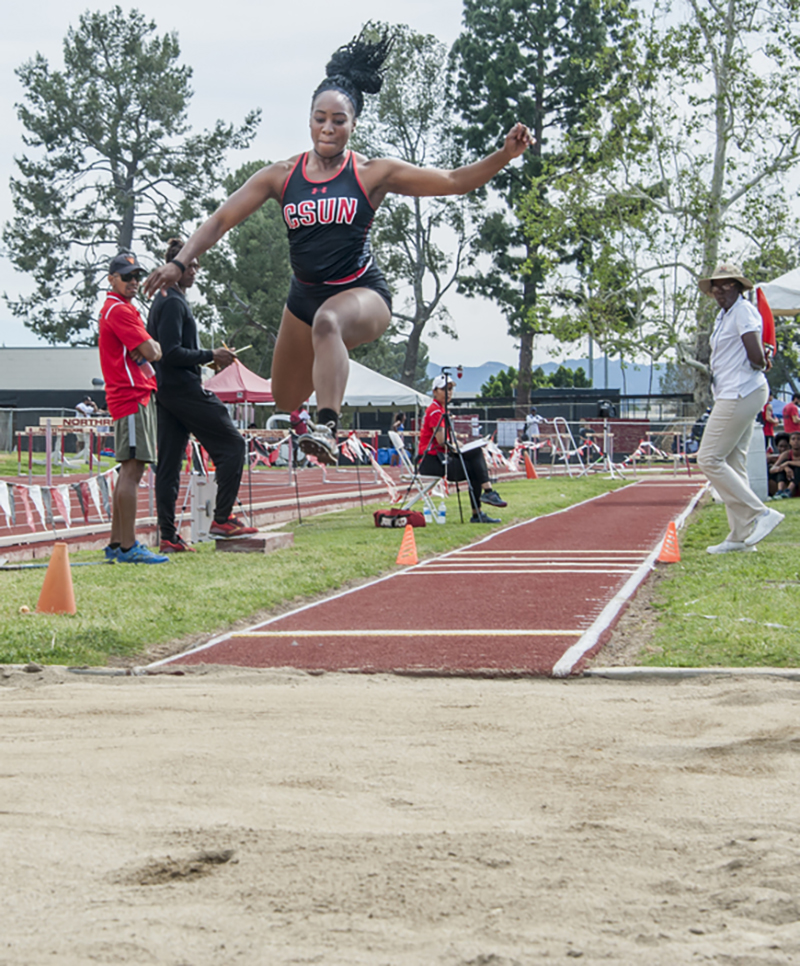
324	180
294	168
353	277
360	185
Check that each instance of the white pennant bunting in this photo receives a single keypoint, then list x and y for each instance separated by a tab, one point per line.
94	489
62	495
5	505
35	493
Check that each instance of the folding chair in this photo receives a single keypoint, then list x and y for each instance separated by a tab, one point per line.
422	484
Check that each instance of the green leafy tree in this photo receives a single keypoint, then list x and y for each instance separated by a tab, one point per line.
422	244
551	64
111	163
504	383
501	385
564	378
676	378
591	238
245	278
725	123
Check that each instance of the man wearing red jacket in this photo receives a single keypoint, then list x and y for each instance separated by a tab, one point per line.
126	351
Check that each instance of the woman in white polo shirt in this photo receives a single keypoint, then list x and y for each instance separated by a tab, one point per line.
740	388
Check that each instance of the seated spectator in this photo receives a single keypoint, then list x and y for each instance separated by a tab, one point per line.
777	480
438	455
787	465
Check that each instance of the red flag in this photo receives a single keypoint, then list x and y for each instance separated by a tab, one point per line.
26	502
767	320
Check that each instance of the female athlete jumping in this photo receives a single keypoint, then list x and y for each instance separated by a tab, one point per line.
338	297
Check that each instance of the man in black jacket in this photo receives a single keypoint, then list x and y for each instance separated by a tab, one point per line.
184	407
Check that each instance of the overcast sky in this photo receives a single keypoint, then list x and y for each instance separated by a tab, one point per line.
244	54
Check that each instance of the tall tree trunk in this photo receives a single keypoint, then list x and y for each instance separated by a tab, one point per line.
524	378
412	353
125	239
529	286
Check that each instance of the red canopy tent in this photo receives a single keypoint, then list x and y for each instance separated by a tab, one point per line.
237	383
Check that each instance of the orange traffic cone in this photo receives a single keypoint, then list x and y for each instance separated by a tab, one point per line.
670	552
408	548
57	596
530	469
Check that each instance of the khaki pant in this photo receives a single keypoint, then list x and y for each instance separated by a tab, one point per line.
723	458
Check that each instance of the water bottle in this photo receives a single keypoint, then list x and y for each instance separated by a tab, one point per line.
441	514
427	514
147	370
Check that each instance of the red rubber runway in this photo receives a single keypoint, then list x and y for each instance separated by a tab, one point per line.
536	598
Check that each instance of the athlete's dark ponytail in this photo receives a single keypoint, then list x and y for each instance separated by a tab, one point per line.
357	67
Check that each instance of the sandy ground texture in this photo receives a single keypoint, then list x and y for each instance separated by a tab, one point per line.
234	816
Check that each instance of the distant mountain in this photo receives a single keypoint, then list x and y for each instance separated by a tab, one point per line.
636	382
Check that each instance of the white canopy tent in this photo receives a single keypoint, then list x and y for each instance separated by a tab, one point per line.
365	388
783	293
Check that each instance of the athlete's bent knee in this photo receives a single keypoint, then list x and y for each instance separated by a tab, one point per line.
326	325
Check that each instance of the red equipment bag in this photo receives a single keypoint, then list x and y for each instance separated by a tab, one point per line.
395	517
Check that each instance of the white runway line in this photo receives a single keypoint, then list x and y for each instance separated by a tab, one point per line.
497	570
415	632
563	667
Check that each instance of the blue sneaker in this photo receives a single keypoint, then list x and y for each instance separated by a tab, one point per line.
111	554
140	554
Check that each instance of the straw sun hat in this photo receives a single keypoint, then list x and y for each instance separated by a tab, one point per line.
724	271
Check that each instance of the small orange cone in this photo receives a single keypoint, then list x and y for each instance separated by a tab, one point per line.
670	552
57	596
530	469
408	548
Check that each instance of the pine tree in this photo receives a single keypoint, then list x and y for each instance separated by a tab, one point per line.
550	64
110	163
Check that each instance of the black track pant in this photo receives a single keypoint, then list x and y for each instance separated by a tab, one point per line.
203	414
431	465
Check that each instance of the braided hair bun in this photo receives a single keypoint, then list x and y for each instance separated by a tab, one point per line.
174	245
357	67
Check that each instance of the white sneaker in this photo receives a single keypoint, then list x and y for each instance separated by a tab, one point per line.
763	526
321	444
729	546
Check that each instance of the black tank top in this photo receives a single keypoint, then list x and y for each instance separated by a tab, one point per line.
328	224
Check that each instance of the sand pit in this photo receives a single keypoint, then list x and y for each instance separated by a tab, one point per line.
273	817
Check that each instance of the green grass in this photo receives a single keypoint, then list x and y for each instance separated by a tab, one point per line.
124	610
717	610
10	467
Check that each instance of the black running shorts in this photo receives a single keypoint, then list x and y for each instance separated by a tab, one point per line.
305	298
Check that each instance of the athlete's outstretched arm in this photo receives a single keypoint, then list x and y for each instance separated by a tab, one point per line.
385	175
264	184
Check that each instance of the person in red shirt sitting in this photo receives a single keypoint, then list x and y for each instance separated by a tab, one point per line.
126	351
433	439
